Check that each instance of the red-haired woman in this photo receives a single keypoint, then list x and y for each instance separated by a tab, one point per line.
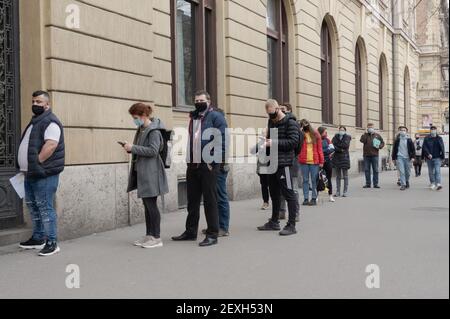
147	173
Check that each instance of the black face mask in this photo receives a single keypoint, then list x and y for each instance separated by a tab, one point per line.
201	106
37	109
273	115
306	128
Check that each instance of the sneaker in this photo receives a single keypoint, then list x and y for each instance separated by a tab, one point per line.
152	242
407	185
345	194
49	249
399	183
288	230
223	233
403	187
282	216
313	202
32	244
265	206
332	199
269	226
305	202
433	187
438	187
139	242
367	186
376	186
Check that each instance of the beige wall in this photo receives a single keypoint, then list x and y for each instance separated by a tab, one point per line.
122	54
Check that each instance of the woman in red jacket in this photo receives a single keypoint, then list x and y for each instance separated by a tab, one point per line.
311	159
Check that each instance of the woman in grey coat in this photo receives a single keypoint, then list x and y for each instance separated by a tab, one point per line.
147	173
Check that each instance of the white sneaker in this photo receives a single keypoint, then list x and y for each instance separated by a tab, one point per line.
433	187
332	199
153	243
438	187
139	242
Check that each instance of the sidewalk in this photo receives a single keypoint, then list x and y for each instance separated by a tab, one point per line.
405	233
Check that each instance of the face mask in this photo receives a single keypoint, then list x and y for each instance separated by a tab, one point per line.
403	134
201	106
138	122
273	115
341	133
434	133
370	130
37	109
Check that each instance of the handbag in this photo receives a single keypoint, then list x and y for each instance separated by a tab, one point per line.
322	181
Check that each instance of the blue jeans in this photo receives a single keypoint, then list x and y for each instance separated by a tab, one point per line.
310	172
404	168
434	170
39	196
371	162
222	201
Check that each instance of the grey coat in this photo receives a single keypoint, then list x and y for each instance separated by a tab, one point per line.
147	173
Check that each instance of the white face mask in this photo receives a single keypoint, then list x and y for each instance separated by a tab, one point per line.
371	130
433	133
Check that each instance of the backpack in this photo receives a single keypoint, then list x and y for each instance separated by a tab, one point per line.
165	151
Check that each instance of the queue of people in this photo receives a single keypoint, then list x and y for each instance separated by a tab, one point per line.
295	155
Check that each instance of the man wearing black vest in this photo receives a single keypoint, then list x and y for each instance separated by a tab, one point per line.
41	159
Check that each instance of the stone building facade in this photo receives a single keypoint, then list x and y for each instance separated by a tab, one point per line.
338	62
432	39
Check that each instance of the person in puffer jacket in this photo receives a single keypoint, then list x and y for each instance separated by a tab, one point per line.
311	159
283	133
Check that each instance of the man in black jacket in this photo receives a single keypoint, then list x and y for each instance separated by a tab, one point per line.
434	154
282	140
402	155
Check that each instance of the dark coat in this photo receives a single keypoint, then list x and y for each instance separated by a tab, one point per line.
367	140
341	156
435	144
288	139
411	149
53	165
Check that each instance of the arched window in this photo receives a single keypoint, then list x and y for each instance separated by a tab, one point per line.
277	51
327	74
381	93
406	97
193	50
358	88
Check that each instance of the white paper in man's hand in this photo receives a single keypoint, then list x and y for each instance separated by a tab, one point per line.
18	183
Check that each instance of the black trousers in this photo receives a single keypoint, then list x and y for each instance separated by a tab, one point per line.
202	180
328	168
264	181
418	165
152	217
282	183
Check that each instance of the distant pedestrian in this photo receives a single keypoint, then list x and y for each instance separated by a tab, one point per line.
434	153
328	150
373	143
341	159
403	153
311	159
418	144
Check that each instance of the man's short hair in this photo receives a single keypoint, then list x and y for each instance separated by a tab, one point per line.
203	92
433	128
402	126
43	93
370	124
272	102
